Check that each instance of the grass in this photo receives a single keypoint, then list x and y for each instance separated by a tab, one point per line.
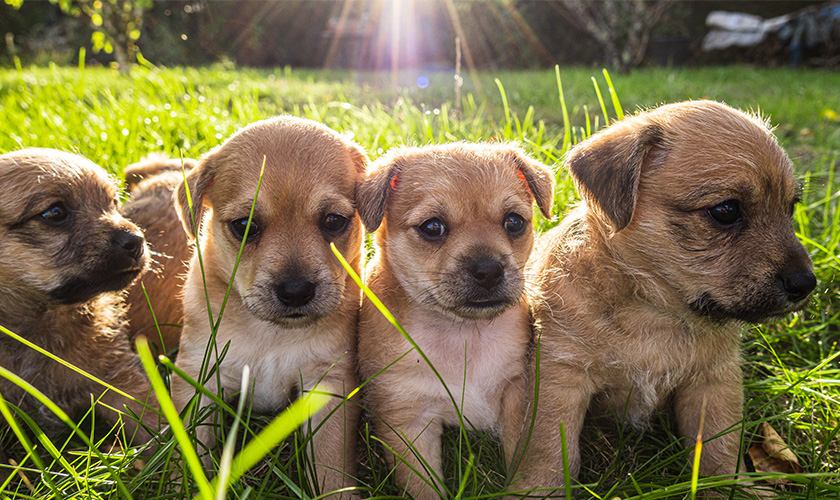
791	369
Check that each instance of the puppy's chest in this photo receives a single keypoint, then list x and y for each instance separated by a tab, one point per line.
279	360
651	362
476	360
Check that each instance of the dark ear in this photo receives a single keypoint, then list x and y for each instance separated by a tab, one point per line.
540	181
359	158
372	193
606	169
198	180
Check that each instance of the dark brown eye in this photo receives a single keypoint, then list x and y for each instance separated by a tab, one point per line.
514	224
55	215
726	213
334	224
239	227
432	229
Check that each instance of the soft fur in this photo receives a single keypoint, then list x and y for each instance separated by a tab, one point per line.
461	297
292	311
151	183
643	292
65	252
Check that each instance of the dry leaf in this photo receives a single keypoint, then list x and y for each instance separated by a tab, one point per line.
772	454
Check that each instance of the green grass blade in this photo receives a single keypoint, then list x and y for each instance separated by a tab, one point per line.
188	452
223	480
274	433
567	124
72	367
601	102
619	111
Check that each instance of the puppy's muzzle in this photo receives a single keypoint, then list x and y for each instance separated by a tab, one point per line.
295	293
128	243
487	273
798	284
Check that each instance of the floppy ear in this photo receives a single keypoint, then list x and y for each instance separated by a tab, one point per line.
359	158
606	169
198	180
372	193
540	181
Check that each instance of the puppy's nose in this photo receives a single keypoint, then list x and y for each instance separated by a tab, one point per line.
799	284
129	242
295	293
487	272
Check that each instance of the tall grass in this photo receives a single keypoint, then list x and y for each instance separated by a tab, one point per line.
792	379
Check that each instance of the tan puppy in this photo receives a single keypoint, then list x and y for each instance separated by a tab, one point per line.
684	232
293	309
65	251
150	183
450	257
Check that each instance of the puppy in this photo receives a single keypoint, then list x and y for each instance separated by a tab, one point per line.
456	233
293	309
151	183
684	232
65	252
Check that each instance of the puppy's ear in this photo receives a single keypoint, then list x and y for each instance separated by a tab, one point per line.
359	158
198	180
539	179
606	169
372	193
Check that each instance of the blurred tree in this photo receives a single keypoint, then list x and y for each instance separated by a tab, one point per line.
621	27
116	24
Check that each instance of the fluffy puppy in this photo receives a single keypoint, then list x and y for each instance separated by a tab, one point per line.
150	183
65	252
293	309
455	234
684	233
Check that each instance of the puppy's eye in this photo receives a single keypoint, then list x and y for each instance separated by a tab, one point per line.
432	229
238	227
514	224
334	224
726	213
55	215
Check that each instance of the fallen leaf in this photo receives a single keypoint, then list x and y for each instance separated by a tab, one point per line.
772	454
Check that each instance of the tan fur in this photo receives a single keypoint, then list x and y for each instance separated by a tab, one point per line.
310	173
60	279
427	285
151	183
643	292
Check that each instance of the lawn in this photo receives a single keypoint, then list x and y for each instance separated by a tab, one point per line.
791	367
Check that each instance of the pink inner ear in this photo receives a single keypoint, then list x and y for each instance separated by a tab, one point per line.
525	182
394	182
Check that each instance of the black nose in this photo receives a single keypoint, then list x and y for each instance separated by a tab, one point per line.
487	272
295	293
129	242
799	284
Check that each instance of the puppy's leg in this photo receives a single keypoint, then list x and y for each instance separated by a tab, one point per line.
512	417
563	398
334	443
182	393
423	432
136	384
724	396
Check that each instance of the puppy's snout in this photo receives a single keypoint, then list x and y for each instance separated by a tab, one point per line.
129	242
798	284
295	293
487	273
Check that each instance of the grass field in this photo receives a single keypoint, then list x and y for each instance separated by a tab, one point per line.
791	365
